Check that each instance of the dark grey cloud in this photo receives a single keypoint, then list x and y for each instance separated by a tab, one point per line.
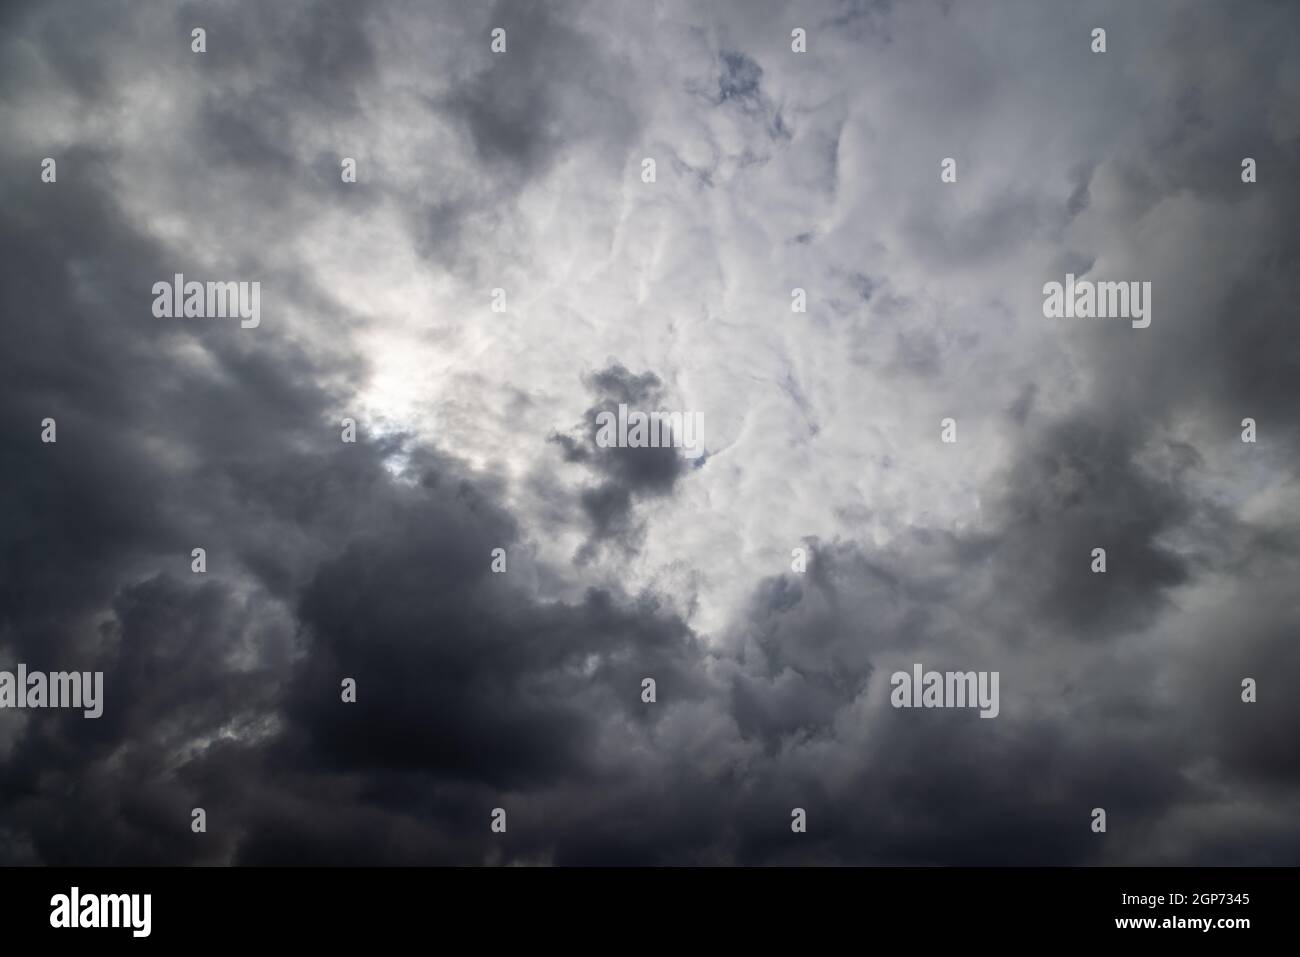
1079	488
625	474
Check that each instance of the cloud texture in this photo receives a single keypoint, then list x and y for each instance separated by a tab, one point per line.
476	431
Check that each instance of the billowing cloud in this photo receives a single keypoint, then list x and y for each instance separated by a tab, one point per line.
515	178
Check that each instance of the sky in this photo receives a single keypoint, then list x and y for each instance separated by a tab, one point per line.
476	430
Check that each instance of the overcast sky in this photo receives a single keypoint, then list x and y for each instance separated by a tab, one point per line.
476	430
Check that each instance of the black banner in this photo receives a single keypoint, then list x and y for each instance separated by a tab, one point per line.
167	906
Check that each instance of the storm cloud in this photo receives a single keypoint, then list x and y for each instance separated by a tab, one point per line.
827	537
